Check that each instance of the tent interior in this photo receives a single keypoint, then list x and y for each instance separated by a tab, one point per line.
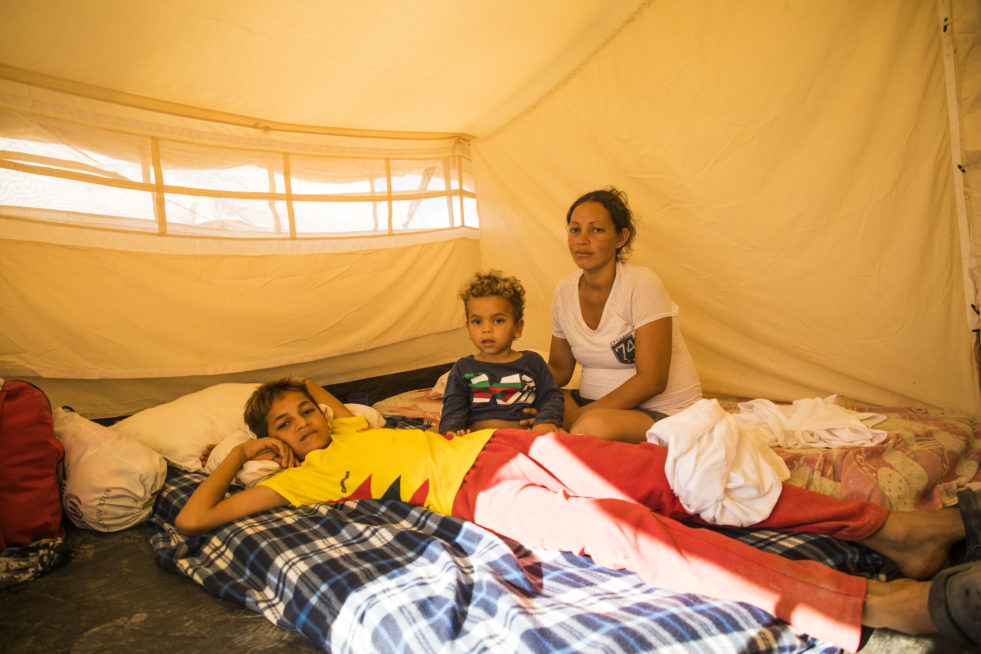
802	175
202	191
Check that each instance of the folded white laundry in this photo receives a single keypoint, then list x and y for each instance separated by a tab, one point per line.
811	422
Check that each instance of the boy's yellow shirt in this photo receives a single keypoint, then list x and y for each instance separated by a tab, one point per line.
411	465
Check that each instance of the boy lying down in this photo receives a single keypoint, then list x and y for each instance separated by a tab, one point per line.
607	499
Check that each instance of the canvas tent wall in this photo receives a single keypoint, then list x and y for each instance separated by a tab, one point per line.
794	166
792	163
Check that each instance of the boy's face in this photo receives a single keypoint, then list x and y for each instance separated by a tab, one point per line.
299	423
492	327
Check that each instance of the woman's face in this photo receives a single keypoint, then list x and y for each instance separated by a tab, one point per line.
593	238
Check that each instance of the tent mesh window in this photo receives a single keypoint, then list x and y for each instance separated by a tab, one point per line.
73	160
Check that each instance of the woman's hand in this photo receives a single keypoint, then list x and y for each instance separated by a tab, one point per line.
652	356
458	432
529	421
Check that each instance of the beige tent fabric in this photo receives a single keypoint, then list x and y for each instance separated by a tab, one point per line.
137	285
112	331
77	160
118	314
425	65
791	168
790	164
962	22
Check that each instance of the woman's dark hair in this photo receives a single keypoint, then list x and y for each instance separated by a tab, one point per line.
615	202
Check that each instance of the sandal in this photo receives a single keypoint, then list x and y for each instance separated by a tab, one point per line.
969	503
955	604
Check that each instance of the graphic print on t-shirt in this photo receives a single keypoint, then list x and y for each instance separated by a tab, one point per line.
623	349
510	389
393	492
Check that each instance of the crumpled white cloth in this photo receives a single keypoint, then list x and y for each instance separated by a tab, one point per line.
812	422
720	465
721	471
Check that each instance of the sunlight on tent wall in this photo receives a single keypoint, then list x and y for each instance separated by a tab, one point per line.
54	169
142	245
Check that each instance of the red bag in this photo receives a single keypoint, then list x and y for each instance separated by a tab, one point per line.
30	499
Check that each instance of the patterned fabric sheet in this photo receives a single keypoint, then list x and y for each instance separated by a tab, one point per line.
412	404
928	456
383	576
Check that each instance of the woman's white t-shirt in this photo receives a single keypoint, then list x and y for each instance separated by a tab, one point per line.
607	353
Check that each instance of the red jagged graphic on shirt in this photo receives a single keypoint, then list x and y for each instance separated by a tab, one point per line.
362	492
393	492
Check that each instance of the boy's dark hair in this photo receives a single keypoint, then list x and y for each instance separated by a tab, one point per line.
493	282
615	202
260	402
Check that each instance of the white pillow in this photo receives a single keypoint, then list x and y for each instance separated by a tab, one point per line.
109	482
180	429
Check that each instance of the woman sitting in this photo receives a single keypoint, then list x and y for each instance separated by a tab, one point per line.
620	324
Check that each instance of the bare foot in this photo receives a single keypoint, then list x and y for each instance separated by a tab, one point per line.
918	542
900	605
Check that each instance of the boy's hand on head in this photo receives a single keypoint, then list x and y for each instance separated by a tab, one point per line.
545	426
270	449
458	432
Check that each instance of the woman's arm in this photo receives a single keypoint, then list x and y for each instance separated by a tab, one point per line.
561	361
561	364
208	507
652	356
322	396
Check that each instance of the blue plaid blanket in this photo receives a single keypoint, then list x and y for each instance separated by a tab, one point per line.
383	576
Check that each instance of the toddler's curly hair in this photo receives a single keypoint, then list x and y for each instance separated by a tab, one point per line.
494	282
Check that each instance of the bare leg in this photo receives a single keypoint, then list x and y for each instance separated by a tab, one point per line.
900	605
918	542
614	425
570	411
